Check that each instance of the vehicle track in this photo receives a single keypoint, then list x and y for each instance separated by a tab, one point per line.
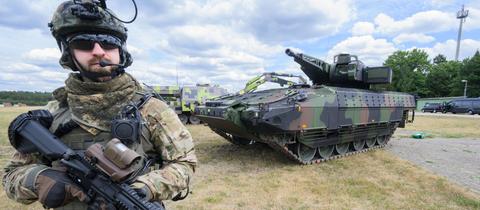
273	143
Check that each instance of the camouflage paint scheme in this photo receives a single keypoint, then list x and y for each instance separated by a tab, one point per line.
314	123
184	99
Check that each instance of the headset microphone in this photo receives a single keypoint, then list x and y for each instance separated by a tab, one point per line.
103	63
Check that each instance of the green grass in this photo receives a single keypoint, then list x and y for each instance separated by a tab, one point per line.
6	116
467	202
233	177
446	127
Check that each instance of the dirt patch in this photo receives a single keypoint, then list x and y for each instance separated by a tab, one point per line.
456	159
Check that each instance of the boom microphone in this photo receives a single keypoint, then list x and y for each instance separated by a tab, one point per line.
103	63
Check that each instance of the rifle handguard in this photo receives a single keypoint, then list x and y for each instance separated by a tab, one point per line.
115	159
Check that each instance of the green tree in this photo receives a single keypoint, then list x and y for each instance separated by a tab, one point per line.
29	98
439	59
439	80
470	72
409	71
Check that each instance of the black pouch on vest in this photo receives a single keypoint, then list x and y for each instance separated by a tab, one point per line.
126	126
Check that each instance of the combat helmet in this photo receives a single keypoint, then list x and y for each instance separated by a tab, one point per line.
83	17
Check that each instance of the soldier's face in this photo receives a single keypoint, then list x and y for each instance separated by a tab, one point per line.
89	59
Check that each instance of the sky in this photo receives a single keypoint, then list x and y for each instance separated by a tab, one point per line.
190	42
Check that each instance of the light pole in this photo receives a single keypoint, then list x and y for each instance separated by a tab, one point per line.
465	89
462	15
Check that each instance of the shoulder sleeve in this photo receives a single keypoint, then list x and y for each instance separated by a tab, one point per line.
174	143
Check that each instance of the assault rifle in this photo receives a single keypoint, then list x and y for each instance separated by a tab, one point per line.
28	133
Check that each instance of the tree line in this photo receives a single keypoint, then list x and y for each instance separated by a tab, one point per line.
414	73
25	97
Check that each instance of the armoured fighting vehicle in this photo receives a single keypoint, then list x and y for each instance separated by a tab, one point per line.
184	99
337	115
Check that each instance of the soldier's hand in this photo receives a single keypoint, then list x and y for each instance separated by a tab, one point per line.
54	189
142	190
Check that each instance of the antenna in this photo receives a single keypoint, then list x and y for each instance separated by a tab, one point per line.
462	15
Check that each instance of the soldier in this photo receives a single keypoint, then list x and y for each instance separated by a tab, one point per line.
92	42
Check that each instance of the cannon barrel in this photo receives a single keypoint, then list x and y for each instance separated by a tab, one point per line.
316	69
290	52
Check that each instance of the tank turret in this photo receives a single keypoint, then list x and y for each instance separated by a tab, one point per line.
346	71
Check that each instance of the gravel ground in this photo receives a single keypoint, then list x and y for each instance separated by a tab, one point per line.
456	159
446	115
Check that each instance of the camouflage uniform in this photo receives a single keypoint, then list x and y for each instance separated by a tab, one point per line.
162	135
83	111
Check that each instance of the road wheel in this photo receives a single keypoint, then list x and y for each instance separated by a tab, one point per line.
382	140
423	110
358	145
305	153
434	111
341	149
183	118
371	142
326	151
194	120
470	112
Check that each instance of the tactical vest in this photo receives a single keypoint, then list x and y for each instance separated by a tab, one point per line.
79	140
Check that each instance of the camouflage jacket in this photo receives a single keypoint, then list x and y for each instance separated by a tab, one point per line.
166	136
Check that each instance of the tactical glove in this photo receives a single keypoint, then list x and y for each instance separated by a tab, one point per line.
54	189
142	190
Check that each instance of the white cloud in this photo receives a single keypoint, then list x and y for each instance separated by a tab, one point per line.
45	54
269	20
21	68
215	51
291	20
26	14
208	38
24	76
440	3
135	51
421	22
55	75
19	41
363	28
473	20
415	37
166	74
368	49
448	48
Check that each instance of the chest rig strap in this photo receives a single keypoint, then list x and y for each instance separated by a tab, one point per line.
126	126
65	128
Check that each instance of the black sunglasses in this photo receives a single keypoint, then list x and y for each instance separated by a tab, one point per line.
86	42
